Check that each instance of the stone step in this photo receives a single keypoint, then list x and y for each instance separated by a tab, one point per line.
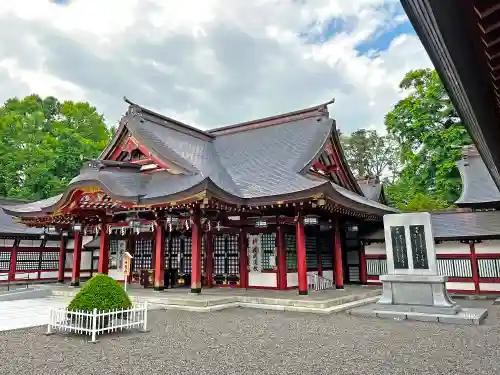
210	302
190	301
307	302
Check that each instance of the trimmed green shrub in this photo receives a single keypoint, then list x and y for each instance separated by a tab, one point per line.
100	292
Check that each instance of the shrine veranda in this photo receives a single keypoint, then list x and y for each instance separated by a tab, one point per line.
263	204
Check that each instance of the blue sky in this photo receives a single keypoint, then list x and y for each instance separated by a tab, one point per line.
380	39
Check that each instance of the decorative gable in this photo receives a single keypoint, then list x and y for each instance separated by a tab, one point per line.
330	164
130	150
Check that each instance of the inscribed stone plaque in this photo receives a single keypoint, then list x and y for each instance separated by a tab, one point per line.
399	252
418	247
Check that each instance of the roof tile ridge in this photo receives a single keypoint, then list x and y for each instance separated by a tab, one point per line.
138	110
316	111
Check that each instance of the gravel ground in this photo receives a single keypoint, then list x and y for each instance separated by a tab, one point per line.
247	341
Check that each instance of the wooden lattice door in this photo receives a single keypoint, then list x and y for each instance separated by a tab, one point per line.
226	259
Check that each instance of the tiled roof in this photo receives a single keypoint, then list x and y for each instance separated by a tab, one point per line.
478	186
9	224
371	190
457	225
251	161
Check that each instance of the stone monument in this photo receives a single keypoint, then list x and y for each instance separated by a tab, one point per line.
412	288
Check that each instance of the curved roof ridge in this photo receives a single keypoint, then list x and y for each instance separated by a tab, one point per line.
300	114
477	184
167	119
302	167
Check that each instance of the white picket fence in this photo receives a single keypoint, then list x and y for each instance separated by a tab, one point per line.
317	282
98	322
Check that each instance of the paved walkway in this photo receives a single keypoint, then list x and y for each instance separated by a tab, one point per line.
28	312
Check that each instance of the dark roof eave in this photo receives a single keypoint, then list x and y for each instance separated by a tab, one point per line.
206	185
69	190
211	188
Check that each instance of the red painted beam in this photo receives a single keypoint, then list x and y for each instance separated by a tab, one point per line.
301	256
77	257
343	175
475	267
339	274
103	265
159	282
196	233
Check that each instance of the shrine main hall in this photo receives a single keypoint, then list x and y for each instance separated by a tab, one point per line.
269	204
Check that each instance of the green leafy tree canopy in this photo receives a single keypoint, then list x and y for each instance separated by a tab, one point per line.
370	154
43	143
431	135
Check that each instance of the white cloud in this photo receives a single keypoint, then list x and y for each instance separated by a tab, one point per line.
210	62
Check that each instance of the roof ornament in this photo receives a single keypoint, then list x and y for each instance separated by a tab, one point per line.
323	110
134	111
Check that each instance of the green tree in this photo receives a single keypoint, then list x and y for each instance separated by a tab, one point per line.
369	153
430	135
43	143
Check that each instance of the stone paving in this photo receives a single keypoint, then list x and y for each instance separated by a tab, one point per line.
215	299
248	341
28	312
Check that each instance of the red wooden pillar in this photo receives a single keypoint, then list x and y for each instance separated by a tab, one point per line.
77	257
301	255
13	259
209	260
338	269
281	255
243	259
196	254
103	265
363	275
62	259
159	256
475	267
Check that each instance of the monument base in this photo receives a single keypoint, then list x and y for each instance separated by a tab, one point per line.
422	298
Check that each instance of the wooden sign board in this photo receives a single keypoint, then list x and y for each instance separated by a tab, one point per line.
127	261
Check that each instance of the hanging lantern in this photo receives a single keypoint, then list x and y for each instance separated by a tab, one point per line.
218	226
108	229
122	231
